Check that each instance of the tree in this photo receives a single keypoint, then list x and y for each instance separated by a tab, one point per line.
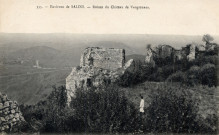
207	38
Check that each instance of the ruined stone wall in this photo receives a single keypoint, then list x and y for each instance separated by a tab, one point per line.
163	51
10	115
191	55
106	58
178	55
99	67
149	56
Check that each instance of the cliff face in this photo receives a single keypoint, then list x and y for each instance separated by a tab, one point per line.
99	67
10	115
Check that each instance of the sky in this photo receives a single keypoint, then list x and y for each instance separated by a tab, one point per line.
172	17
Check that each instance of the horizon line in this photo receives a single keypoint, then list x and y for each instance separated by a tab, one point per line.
111	34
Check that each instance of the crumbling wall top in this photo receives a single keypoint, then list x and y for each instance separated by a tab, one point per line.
106	58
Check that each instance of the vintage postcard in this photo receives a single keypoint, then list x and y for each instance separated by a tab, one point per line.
109	67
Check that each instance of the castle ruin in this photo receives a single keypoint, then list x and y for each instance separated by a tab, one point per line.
106	58
98	68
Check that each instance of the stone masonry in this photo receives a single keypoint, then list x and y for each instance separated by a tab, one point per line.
164	51
191	55
106	58
10	115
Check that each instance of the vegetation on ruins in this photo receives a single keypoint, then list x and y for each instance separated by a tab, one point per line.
179	98
201	70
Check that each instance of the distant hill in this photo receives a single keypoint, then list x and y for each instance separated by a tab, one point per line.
53	58
36	52
48	57
112	44
136	57
63	41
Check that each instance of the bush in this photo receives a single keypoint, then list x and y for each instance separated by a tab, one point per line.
179	76
51	115
209	75
141	74
196	75
193	76
182	110
105	110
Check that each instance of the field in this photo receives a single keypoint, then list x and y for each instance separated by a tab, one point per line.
29	85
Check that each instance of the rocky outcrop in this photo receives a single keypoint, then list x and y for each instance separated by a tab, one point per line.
10	115
99	67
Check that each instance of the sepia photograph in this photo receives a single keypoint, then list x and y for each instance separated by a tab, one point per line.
109	67
104	84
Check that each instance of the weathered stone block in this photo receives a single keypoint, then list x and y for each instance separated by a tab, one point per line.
16	115
2	118
11	116
6	118
1	106
12	111
6	104
13	120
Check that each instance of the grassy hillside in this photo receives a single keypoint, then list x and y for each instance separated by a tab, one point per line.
31	87
169	108
147	89
158	95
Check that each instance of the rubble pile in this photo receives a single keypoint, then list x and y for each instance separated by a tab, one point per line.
10	115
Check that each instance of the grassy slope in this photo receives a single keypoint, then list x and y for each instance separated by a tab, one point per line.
207	95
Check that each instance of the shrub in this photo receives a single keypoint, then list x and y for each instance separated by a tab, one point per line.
209	75
182	110
179	76
141	74
51	115
193	76
105	110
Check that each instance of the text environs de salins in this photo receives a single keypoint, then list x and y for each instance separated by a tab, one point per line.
101	7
